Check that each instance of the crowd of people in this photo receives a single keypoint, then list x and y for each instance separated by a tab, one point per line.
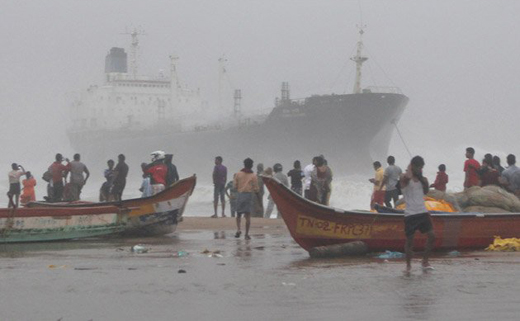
386	182
246	190
61	186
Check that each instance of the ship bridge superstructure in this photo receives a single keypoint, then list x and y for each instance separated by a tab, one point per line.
127	100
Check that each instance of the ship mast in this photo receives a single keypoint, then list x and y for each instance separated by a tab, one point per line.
359	60
174	80
134	50
237	104
221	74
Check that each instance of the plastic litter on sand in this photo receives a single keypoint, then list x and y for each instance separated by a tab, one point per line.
390	255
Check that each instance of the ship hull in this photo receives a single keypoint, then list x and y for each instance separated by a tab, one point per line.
351	131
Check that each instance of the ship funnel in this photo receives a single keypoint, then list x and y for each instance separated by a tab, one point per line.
116	61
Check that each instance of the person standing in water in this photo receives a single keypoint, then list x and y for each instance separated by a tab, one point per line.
416	217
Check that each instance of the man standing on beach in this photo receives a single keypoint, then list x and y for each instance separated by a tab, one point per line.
246	184
219	186
390	180
378	195
471	168
416	217
309	191
14	184
120	174
77	181
58	171
510	178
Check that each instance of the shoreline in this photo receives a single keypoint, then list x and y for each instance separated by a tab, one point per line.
229	224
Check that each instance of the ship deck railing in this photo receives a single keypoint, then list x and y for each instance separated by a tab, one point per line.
382	90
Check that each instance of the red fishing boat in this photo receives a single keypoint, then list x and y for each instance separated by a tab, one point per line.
312	225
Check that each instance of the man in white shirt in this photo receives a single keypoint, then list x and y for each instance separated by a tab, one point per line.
14	184
416	217
307	171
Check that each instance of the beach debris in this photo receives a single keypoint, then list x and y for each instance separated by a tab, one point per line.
212	253
139	248
179	254
120	249
345	249
390	255
221	263
504	245
52	266
288	284
454	253
181	271
132	269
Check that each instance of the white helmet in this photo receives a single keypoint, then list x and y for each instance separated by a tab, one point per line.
157	155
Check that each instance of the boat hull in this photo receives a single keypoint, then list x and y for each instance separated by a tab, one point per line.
312	225
53	224
148	216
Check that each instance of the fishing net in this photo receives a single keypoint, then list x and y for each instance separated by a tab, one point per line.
488	199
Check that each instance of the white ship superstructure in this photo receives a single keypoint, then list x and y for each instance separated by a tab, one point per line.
128	100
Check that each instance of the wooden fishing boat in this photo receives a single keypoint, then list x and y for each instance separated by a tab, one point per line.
154	215
52	224
312	225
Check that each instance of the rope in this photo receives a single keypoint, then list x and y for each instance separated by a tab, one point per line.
402	139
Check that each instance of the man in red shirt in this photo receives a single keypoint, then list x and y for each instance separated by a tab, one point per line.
441	180
158	170
58	171
471	167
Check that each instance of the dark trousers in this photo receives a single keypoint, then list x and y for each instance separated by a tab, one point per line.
57	193
391	195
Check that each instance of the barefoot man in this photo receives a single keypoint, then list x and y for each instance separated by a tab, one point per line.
416	217
246	184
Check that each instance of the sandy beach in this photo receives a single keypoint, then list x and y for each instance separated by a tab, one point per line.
201	272
229	223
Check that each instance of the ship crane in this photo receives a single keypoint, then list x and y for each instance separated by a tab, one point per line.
359	60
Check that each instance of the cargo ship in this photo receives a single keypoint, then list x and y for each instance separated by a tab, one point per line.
135	115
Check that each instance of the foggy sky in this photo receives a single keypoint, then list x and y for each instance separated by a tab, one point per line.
457	61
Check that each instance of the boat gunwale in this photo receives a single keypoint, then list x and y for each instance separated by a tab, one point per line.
121	203
336	210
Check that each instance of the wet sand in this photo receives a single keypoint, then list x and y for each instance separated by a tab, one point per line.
267	278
